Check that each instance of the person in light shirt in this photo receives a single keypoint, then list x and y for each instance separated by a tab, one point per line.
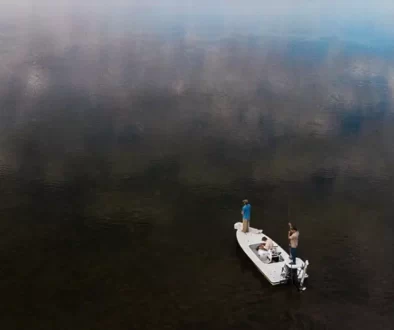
293	236
265	247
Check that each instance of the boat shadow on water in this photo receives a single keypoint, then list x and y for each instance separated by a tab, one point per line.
297	315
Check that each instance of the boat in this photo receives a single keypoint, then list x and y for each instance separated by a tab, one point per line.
276	264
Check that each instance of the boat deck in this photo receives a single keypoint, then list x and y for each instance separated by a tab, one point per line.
272	271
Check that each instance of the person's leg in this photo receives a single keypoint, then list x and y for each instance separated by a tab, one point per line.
244	225
247	225
294	254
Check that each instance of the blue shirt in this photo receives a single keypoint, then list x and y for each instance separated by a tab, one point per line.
246	211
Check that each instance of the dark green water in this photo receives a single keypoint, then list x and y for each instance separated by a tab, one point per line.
129	134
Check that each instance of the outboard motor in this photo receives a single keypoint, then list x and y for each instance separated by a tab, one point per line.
303	269
295	273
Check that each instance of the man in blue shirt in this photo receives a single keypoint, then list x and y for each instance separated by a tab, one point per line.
245	216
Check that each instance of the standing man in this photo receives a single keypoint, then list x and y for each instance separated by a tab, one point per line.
293	236
245	216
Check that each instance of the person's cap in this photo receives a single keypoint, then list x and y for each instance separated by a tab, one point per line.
245	201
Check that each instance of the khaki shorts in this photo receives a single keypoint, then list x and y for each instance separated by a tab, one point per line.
245	225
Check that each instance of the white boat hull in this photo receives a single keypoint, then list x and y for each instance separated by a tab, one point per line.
273	271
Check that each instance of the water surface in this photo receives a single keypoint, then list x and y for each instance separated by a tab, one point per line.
129	134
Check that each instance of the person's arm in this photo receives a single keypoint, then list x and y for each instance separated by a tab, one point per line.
260	246
290	235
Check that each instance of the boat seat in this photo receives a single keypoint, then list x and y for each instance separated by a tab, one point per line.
274	254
